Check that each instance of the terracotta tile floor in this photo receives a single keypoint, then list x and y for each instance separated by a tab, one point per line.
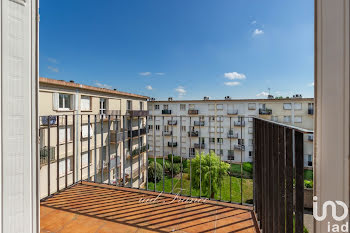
92	207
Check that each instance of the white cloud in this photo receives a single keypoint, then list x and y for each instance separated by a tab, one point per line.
311	84
257	32
254	22
231	84
149	87
234	75
52	60
262	94
53	69
103	85
160	73
145	73
180	90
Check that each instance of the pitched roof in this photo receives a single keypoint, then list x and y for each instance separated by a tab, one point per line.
62	83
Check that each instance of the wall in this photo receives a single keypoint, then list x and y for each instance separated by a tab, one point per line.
18	90
332	105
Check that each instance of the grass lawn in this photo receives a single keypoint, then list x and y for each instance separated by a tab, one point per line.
225	189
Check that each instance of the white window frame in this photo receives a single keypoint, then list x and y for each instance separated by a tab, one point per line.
211	107
298	119
251	106
70	101
182	107
62	134
287	104
103	109
219	107
156	107
296	106
286	117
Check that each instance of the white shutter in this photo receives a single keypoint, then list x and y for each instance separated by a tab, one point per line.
84	159
62	167
85	132
73	105
55	97
85	103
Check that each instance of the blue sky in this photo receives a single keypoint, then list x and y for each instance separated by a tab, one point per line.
186	49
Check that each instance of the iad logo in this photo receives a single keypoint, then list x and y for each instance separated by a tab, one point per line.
332	227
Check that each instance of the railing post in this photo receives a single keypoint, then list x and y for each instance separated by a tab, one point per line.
48	156
299	181
289	181
89	153
58	154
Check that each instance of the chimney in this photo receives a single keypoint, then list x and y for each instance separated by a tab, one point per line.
170	99
206	98
71	81
227	97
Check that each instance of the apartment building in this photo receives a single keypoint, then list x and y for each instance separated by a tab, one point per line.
88	132
223	126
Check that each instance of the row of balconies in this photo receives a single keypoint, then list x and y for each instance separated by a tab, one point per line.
262	111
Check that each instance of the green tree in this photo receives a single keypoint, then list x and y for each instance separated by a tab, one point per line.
211	170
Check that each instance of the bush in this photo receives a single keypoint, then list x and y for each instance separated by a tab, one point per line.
176	159
308	184
168	167
158	172
248	167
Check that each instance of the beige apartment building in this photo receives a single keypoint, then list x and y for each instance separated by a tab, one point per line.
223	126
90	133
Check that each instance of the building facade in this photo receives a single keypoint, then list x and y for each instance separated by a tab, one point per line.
90	133
223	126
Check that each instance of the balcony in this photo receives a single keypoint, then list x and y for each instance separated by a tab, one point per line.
172	122
239	123
232	135
166	112
100	199
199	123
239	147
172	144
193	134
168	133
232	112
193	112
199	145
310	111
135	133
265	111
137	113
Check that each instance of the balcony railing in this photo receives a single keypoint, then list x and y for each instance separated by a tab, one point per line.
193	112
199	123
239	123
172	144
239	147
172	122
232	112
232	135
166	112
137	113
44	155
168	133
270	183
265	111
199	145
193	134
277	166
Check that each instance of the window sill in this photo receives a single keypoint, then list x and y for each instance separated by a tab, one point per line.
64	110
63	143
68	173
86	110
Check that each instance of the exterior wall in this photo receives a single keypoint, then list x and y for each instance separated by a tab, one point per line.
115	103
18	116
332	63
220	128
